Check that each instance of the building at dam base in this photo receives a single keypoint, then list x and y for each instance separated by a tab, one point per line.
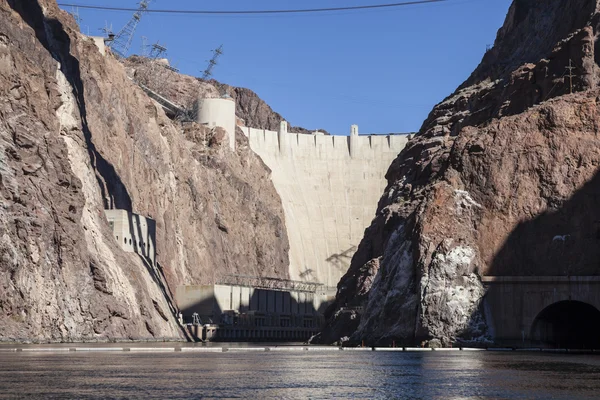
329	186
249	310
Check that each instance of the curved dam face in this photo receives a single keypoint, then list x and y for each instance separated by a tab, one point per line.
329	187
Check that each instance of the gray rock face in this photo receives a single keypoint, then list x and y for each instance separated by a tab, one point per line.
496	170
76	137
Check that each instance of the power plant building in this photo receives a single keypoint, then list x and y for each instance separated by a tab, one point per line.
241	311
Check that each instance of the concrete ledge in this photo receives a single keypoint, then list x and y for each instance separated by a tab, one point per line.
44	349
202	349
243	349
152	349
98	349
540	279
294	349
323	348
288	348
389	349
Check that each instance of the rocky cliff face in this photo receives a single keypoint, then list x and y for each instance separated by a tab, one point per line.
76	137
500	180
184	90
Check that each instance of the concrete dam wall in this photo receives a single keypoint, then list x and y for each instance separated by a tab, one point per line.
329	187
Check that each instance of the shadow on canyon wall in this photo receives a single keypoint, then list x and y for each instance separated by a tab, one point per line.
52	36
564	241
560	242
154	268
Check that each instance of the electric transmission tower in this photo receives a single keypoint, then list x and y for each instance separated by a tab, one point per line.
122	41
213	61
145	47
158	50
570	68
75	13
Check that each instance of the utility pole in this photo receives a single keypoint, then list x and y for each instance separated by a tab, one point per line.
570	68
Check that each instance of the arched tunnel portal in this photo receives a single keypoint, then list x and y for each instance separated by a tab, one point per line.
567	324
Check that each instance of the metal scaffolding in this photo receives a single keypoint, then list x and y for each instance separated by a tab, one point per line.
270	283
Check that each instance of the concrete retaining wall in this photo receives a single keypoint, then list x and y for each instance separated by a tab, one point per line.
134	233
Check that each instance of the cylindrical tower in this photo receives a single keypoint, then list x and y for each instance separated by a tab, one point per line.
218	112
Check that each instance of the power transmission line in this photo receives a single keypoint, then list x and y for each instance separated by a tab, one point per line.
241	12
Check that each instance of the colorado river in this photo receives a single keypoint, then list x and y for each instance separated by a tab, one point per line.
300	374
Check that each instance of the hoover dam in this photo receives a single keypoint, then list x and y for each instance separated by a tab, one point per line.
329	186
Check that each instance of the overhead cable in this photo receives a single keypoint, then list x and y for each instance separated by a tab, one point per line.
242	12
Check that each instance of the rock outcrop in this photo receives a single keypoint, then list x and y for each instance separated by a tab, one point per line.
78	136
500	180
184	90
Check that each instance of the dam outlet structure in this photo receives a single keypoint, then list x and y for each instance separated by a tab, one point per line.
253	309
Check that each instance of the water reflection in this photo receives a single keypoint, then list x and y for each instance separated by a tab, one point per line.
299	374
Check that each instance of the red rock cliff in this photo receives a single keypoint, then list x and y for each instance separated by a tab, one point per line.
499	170
77	136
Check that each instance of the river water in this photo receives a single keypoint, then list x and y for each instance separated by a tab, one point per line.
299	374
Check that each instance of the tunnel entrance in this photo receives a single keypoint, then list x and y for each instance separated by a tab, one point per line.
567	324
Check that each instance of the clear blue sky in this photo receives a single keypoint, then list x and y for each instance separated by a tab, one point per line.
381	69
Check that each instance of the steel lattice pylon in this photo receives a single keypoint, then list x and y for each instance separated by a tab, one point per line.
122	42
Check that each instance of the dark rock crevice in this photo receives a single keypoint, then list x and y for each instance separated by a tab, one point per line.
52	36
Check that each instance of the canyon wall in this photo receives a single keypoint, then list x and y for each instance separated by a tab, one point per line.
77	136
498	171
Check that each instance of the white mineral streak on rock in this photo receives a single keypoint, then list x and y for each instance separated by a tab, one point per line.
66	111
464	202
93	219
451	294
